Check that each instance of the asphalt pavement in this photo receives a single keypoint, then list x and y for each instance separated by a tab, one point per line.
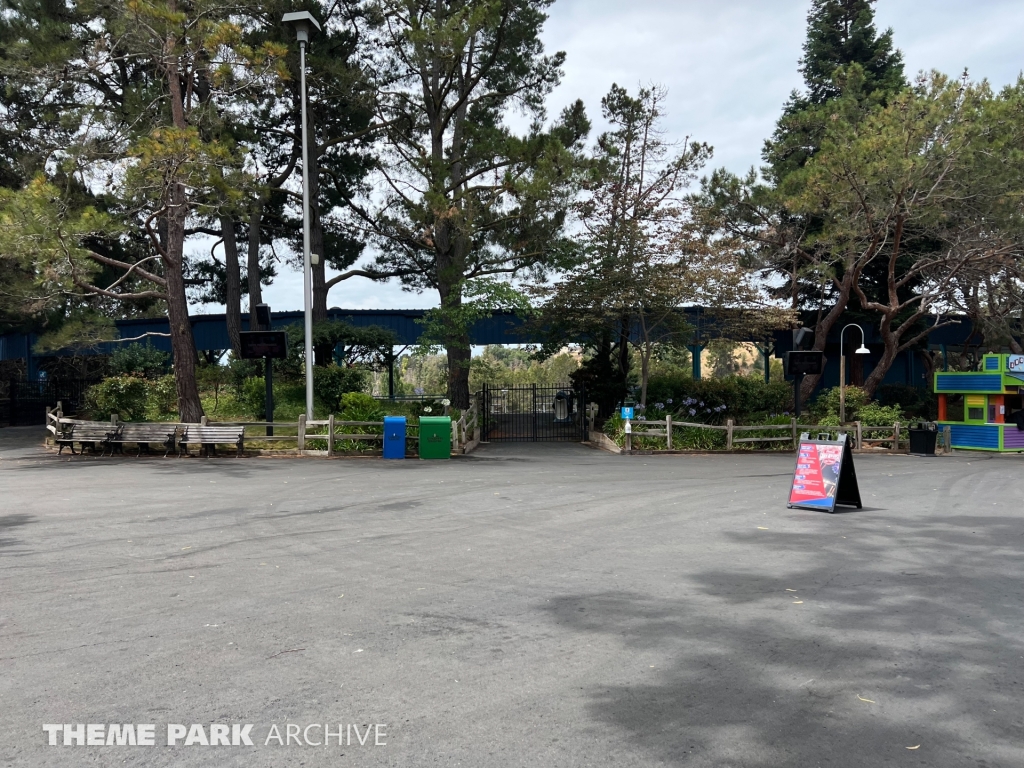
528	605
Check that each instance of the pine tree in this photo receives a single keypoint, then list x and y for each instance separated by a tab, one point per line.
840	33
842	46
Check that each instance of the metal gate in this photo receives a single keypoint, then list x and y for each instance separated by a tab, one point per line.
26	402
533	414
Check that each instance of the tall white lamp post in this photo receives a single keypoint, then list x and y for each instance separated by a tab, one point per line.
305	25
842	368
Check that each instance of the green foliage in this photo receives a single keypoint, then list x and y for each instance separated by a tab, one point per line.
238	370
913	401
875	414
252	397
486	201
602	380
358	406
213	378
840	33
828	402
481	298
331	383
859	407
745	399
499	366
683	438
367	346
421	374
163	396
141	360
127	396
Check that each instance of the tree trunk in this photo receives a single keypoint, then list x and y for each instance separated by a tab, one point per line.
624	348
183	346
252	267
884	364
323	353
824	327
891	339
457	347
645	372
233	307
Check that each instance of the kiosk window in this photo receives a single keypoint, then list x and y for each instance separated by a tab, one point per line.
1014	403
975	414
955	407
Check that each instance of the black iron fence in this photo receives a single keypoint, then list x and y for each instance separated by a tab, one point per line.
533	414
23	403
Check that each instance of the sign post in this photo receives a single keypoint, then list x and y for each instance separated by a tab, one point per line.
824	475
269	345
800	363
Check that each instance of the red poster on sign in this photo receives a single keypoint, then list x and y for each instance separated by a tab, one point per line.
817	473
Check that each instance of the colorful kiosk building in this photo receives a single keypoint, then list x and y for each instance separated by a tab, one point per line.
981	408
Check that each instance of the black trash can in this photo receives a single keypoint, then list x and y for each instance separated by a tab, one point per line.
923	439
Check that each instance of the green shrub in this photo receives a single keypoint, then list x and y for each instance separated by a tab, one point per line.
827	402
163	396
858	408
252	397
358	406
877	414
140	361
913	401
127	396
683	438
745	399
239	370
331	383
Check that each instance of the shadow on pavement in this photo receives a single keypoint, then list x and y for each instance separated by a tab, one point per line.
871	650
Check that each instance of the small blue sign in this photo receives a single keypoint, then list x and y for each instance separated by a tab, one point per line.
627	412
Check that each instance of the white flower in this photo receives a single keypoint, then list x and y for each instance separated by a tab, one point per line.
446	402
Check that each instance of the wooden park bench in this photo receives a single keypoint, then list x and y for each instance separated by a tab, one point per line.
86	433
144	434
208	437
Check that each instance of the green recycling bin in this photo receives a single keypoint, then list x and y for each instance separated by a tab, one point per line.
435	437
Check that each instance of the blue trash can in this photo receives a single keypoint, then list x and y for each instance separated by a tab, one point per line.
394	437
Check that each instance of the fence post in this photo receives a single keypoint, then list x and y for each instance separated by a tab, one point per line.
947	439
302	432
204	420
330	435
728	434
629	440
793	425
60	409
455	435
668	431
859	445
476	417
896	436
113	419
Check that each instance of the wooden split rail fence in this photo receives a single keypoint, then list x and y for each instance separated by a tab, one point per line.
861	435
303	432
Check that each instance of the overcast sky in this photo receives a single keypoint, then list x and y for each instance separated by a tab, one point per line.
728	65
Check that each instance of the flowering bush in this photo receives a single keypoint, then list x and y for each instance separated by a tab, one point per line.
746	399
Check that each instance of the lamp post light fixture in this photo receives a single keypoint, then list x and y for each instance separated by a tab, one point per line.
842	368
305	26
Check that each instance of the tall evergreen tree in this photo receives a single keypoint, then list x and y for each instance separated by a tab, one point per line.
840	33
463	200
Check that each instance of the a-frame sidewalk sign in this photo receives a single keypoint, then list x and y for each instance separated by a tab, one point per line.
824	475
